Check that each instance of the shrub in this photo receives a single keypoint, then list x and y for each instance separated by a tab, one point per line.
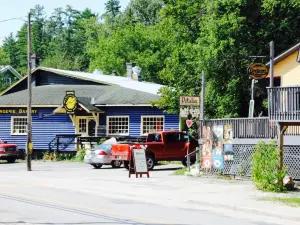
80	155
265	168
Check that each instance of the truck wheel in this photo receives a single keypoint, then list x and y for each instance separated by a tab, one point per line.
116	163
12	160
150	162
97	166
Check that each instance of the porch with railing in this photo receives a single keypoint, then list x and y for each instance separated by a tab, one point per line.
259	128
284	104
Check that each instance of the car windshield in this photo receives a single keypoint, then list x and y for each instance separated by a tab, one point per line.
104	147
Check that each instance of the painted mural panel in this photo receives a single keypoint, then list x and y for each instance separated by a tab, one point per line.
228	140
217	152
207	147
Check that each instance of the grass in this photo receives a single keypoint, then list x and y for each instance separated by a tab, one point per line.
180	171
224	177
290	201
170	162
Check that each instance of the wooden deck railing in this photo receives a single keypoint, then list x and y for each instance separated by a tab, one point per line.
261	127
247	128
284	104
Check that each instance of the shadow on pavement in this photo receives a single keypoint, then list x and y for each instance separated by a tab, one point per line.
165	169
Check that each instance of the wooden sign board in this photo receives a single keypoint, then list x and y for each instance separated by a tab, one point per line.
138	164
258	71
189	101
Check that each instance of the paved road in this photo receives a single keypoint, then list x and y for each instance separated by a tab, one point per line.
73	193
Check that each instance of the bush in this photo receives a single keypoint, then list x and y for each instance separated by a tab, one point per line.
265	168
80	155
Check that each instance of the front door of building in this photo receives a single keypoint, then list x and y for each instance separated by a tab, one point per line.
85	126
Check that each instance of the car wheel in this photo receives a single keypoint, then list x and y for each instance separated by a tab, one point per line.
12	160
97	166
150	162
116	163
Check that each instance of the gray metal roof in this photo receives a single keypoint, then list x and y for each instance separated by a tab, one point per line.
126	82
104	95
3	69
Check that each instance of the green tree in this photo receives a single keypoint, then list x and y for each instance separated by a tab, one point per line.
11	50
146	12
4	59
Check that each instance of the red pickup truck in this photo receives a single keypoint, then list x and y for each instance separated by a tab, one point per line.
10	152
159	146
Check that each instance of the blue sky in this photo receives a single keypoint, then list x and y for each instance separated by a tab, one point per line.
20	8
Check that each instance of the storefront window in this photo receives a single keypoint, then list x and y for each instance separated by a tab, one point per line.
118	125
19	125
152	124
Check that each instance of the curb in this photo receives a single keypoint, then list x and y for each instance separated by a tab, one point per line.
246	210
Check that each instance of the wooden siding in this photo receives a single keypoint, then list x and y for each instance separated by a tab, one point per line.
48	78
43	129
135	113
291	78
286	66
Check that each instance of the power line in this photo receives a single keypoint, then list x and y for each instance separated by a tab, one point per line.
16	18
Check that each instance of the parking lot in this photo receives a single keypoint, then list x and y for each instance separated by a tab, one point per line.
76	193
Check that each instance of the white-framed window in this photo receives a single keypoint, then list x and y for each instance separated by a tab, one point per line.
18	125
117	125
152	124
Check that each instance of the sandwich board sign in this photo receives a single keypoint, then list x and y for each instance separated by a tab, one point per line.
138	159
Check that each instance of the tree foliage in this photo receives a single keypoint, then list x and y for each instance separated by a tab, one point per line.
4	60
173	42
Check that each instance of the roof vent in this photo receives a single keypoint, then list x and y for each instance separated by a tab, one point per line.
129	67
92	101
114	73
98	71
136	73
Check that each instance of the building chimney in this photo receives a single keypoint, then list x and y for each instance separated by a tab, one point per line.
98	71
129	67
35	61
92	101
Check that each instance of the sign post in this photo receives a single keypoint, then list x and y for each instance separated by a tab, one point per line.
189	123
189	106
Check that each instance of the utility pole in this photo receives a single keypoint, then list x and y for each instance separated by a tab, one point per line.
202	96
202	106
29	146
271	64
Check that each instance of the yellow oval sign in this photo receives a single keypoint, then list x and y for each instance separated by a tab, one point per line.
70	102
258	71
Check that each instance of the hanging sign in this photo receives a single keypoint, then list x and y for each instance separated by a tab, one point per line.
258	71
70	102
189	101
189	123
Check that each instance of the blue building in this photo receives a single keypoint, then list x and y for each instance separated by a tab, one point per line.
108	105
